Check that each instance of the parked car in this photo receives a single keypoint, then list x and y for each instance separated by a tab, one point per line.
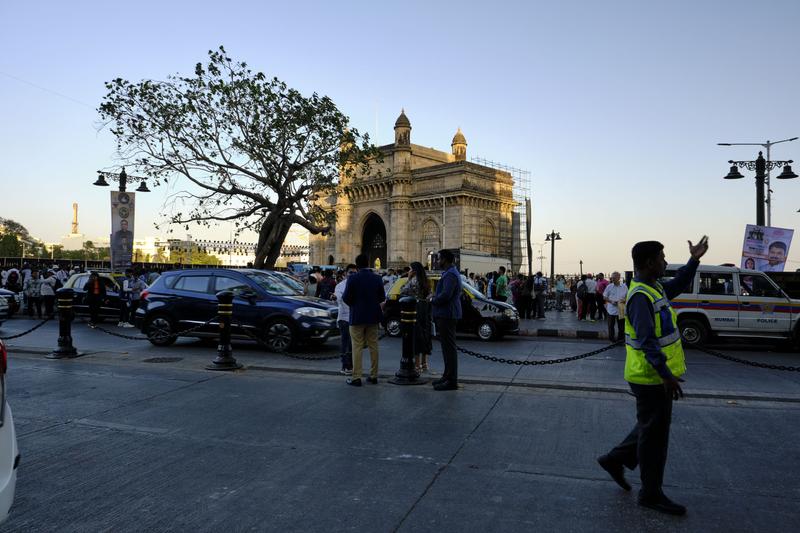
289	280
5	313
734	302
13	300
9	452
263	306
110	306
488	319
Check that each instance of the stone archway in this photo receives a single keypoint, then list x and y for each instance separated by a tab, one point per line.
373	240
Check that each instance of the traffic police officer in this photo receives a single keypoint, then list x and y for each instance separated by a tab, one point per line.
654	364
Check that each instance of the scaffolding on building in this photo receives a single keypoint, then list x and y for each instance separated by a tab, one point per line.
521	260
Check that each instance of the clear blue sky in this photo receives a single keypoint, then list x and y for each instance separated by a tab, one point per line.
601	101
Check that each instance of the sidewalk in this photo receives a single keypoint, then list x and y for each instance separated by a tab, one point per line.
563	324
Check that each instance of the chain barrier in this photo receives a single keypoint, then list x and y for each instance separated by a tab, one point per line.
263	343
749	363
139	338
537	362
34	328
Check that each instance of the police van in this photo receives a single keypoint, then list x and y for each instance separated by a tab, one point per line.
728	301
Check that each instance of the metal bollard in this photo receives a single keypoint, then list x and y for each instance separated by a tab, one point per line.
65	315
225	359
407	375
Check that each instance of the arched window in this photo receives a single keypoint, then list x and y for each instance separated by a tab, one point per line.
488	237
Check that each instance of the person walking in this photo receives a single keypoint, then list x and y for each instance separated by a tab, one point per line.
654	364
343	321
446	311
95	294
539	294
614	297
419	287
364	294
48	293
602	283
33	294
501	286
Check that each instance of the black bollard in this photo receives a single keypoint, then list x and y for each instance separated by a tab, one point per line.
65	316
407	375
225	359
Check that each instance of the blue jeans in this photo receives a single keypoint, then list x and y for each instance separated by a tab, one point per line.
345	345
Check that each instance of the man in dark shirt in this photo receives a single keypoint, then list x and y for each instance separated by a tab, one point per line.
364	294
446	311
653	366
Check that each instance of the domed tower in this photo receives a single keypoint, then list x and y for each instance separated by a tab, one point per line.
459	146
402	130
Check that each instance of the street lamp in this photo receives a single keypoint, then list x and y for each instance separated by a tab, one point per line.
786	174
553	237
760	165
121	178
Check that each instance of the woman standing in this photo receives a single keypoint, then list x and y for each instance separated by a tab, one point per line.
418	287
561	288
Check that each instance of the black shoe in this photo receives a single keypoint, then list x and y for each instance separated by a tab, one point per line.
617	472
662	504
372	380
438	380
445	385
354	382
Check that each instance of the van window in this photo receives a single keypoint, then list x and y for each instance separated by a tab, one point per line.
670	274
192	283
716	283
758	286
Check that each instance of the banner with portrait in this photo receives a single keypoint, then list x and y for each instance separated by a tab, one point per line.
766	248
122	211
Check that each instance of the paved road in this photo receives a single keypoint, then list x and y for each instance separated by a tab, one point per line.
130	446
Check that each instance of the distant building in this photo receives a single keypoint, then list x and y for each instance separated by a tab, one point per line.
418	201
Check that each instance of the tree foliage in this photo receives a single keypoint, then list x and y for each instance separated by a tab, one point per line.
243	147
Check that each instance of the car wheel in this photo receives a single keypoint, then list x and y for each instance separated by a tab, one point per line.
487	330
693	332
159	331
393	327
279	335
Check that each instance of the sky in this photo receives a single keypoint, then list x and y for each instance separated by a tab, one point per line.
615	108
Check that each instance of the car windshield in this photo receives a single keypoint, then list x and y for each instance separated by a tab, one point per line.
272	284
289	281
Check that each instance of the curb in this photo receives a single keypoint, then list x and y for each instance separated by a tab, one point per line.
568	333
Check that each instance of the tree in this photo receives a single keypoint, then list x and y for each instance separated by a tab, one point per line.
10	246
248	148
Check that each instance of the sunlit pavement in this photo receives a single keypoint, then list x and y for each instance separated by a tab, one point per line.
110	442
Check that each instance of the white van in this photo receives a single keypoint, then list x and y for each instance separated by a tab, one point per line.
734	302
9	453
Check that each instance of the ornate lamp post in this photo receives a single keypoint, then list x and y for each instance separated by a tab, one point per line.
552	237
765	179
761	166
121	178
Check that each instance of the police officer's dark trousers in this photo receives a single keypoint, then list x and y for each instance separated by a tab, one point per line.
646	446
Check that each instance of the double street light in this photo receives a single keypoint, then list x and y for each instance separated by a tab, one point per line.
121	178
552	237
762	168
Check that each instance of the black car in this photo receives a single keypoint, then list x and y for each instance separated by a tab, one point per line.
109	307
264	307
488	319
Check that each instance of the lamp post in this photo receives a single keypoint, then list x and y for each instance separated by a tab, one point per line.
764	179
761	166
121	178
552	237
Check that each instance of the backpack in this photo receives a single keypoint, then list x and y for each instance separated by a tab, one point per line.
582	290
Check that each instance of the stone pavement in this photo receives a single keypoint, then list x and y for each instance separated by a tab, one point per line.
111	446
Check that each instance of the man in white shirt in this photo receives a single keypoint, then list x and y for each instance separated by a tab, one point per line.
614	296
343	321
590	303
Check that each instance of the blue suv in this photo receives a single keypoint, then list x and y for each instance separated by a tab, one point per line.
264	306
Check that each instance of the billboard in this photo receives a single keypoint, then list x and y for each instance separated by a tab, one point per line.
766	248
122	211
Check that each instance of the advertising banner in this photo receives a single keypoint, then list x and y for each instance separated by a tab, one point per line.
122	210
766	248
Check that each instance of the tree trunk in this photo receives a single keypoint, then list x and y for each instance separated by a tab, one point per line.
270	239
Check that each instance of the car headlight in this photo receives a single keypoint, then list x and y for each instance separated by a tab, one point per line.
510	313
312	312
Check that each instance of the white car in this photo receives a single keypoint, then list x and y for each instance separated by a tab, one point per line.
9	453
734	302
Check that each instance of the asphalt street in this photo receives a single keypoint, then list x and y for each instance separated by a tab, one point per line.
113	443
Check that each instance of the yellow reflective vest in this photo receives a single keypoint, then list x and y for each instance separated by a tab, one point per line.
637	369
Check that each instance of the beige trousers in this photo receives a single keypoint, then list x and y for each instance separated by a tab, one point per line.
364	335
